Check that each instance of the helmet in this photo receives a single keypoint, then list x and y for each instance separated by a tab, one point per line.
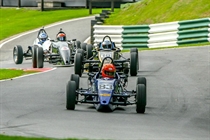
106	44
43	37
61	37
108	71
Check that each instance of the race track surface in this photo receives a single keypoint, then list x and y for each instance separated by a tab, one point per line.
178	97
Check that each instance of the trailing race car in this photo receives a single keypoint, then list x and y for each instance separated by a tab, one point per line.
106	90
59	52
89	58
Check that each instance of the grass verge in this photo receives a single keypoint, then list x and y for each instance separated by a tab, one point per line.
11	73
18	20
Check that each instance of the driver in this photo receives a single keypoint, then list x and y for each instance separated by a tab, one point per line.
61	36
106	44
42	38
108	71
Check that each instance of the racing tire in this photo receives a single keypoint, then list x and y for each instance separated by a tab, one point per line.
81	51
78	68
137	51
40	57
133	64
140	98
89	52
18	54
75	77
70	95
142	80
78	44
34	55
83	46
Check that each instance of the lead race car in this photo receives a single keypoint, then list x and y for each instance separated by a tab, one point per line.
106	94
89	58
59	52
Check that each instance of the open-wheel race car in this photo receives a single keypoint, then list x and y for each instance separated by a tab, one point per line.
58	52
106	93
89	58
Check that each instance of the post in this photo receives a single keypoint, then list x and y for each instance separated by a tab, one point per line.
1	3
42	5
112	5
90	7
19	3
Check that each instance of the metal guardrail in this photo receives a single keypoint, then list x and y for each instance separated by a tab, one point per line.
156	35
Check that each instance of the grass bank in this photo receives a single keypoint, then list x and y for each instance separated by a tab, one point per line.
15	20
159	11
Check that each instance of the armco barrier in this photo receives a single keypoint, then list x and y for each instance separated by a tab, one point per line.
156	35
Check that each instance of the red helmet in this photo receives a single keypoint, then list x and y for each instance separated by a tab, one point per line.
61	37
108	71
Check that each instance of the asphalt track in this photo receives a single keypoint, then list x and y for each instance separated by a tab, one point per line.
178	97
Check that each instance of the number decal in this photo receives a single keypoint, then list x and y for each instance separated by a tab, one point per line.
105	86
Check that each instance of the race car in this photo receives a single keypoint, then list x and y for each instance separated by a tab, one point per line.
89	58
58	52
106	93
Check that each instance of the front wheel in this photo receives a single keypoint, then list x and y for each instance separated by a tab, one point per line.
40	57
75	77
34	56
70	95
18	54
140	98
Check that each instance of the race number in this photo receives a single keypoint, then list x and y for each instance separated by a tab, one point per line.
105	86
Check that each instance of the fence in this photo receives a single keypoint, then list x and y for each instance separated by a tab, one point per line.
156	35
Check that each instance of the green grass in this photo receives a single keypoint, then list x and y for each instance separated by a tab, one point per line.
11	73
159	11
14	20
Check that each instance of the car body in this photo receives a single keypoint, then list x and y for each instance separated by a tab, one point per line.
106	94
55	52
91	58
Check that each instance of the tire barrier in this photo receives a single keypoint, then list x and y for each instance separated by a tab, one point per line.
156	35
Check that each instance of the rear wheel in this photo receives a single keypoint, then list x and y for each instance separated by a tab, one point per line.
81	51
18	54
34	55
78	68
137	51
78	44
70	95
89	49
140	98
133	64
83	46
